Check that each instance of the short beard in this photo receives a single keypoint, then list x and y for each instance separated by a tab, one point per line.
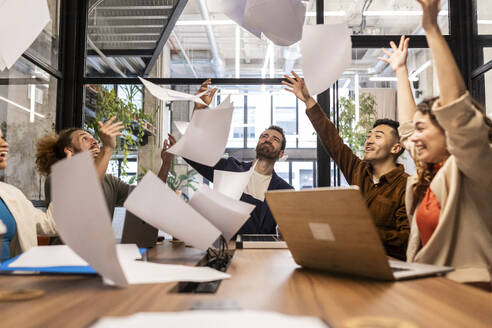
262	153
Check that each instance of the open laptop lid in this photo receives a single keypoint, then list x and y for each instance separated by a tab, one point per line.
330	229
137	231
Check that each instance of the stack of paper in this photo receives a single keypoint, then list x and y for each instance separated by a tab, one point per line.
326	52
84	224
206	136
201	319
281	21
198	223
21	21
165	94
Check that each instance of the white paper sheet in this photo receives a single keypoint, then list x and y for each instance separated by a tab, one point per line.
234	9
21	21
83	222
326	52
205	138
232	184
139	272
181	126
211	319
227	214
62	255
155	203
281	21
82	217
171	95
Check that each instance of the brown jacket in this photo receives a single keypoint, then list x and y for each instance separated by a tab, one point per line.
385	200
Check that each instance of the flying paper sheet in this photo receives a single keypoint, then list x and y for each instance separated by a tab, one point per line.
326	52
84	224
234	9
205	138
155	203
227	214
181	126
230	183
21	21
171	95
62	255
200	319
281	21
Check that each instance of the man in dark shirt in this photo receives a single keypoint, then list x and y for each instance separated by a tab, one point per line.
381	180
270	148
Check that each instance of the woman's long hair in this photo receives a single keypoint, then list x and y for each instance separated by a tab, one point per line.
51	148
427	171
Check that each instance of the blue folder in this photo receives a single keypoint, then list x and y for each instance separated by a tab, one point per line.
79	269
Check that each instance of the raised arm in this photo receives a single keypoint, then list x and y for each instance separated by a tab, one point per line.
167	158
207	97
107	133
326	130
449	77
398	62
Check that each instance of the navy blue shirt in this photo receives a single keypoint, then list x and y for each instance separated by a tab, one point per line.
9	222
261	220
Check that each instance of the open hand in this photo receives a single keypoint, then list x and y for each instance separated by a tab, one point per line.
398	58
207	97
109	131
297	86
165	155
431	10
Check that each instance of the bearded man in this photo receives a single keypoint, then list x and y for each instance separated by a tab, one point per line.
270	148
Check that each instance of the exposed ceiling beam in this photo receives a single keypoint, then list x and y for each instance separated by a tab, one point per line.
129	41
133	7
123	52
125	34
171	22
106	18
99	26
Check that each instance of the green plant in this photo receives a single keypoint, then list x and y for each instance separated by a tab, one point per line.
354	134
134	119
179	182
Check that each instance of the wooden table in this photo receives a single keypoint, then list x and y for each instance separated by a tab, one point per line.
262	280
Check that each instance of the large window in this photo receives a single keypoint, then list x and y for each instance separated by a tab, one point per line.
123	39
487	56
27	111
484	11
47	44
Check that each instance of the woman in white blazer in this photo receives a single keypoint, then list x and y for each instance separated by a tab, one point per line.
23	221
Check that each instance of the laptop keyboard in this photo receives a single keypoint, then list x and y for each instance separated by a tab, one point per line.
259	238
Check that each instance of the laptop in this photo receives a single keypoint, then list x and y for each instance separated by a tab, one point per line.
137	231
331	229
259	241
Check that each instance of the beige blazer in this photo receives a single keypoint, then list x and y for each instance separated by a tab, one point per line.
463	187
30	220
